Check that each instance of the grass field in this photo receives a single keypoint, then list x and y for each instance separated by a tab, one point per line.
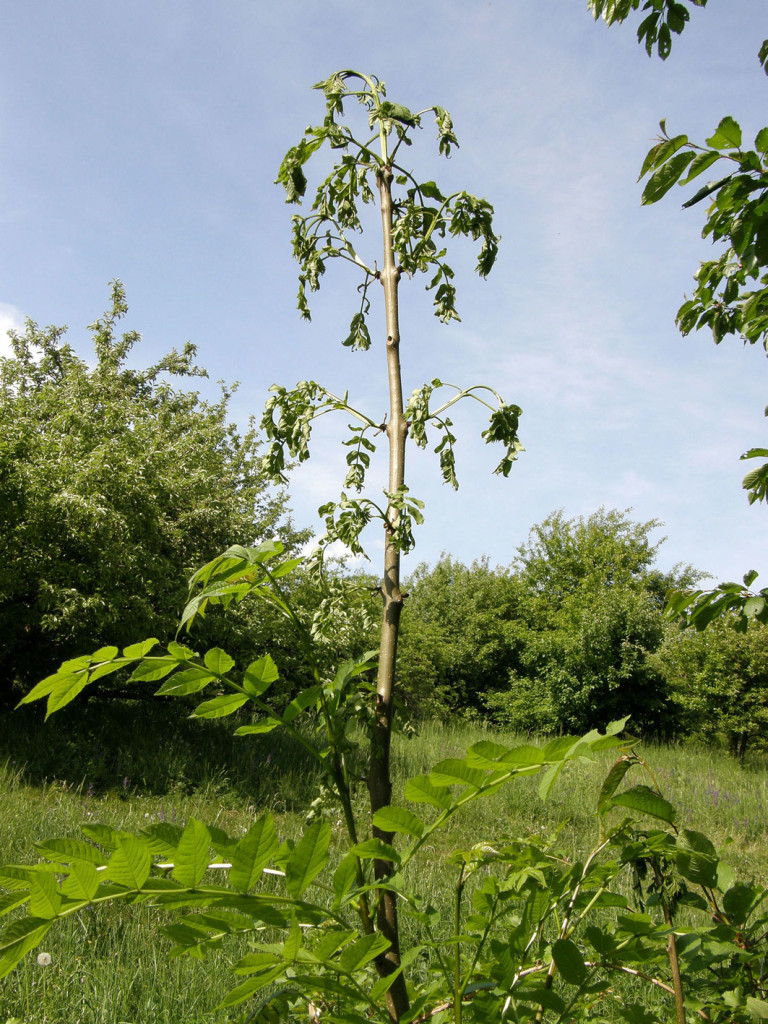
115	764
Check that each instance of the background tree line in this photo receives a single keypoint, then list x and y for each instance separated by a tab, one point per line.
116	483
572	634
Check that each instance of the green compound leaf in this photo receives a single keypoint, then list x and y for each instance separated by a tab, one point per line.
274	1010
14	878
163	838
727	135
192	854
65	851
420	790
757	1008
613	780
260	675
363	951
306	699
44	896
18	939
64	691
140	650
668	174
292	945
108	668
179	651
344	878
454	772
104	654
219	661
569	961
398	819
485	755
82	882
699	164
258	729
376	849
190	680
129	865
152	669
47	686
331	943
219	707
308	858
645	800
697	858
255	963
548	780
101	834
253	853
525	755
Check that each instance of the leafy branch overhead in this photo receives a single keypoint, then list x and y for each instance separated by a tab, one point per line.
731	292
700	607
661	19
730	298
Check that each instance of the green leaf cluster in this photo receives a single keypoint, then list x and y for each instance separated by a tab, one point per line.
419	218
717	673
731	293
288	419
732	601
563	637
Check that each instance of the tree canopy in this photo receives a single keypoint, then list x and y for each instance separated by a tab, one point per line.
660	19
561	639
590	617
115	484
717	679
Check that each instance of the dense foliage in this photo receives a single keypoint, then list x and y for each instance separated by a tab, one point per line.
458	636
560	639
114	485
719	683
592	614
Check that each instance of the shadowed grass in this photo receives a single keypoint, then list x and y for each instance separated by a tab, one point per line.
105	746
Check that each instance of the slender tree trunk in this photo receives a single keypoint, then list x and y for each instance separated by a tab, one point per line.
379	781
674	965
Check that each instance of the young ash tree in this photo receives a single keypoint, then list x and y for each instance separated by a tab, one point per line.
524	931
416	218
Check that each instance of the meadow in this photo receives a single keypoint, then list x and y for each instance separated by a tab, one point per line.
115	763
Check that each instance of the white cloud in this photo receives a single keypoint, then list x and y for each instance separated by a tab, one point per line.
339	551
11	319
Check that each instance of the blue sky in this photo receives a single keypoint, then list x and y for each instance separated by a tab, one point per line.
141	140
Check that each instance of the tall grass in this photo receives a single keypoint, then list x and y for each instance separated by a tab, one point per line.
119	764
